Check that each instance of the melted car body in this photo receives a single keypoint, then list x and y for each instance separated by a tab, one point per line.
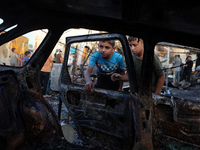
106	119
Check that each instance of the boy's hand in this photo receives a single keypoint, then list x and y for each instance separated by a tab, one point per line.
89	87
120	90
116	76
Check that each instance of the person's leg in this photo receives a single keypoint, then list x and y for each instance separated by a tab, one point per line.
178	76
41	78
184	75
46	79
48	84
188	76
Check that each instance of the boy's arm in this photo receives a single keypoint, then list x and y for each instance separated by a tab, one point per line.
23	61
89	86
160	83
159	73
18	58
117	76
121	82
51	61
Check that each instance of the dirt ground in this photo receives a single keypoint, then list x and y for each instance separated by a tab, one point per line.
191	93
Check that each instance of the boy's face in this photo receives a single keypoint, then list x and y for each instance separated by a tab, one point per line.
106	50
15	51
189	58
136	47
29	55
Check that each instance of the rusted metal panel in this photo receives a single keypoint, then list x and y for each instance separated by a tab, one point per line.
176	123
11	125
101	118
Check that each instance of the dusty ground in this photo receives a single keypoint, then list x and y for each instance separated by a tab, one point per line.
191	93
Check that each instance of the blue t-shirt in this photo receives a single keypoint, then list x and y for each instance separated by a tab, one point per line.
26	59
105	68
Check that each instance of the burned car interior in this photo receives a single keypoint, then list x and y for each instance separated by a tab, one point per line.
133	118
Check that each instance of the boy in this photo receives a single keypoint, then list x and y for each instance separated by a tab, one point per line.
14	57
137	47
26	58
108	62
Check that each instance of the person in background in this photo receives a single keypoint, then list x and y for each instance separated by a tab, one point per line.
180	58
14	57
181	67
187	55
176	65
107	62
59	58
137	47
45	74
26	58
54	59
188	69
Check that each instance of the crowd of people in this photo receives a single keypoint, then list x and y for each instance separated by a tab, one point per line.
111	67
186	68
45	72
14	58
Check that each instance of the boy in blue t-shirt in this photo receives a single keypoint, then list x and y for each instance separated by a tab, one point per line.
107	62
26	58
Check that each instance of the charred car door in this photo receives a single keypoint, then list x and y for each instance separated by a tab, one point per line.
176	123
103	118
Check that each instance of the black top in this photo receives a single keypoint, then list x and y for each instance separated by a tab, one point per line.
104	81
190	64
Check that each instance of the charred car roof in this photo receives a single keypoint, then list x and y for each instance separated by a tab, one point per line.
174	21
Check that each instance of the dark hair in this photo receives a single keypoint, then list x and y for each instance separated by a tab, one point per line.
133	38
13	49
27	52
188	53
178	55
112	42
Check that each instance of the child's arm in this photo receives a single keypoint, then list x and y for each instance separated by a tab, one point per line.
23	62
121	82
160	83
117	76
89	86
18	58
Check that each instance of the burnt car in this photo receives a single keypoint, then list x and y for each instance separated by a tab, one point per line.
106	119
